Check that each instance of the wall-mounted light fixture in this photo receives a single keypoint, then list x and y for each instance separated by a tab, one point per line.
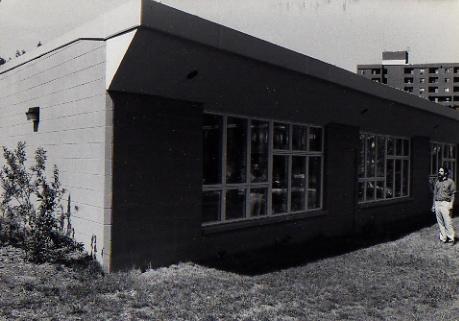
33	114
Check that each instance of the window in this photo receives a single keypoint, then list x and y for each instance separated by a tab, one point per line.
421	71
375	71
446	90
422	80
456	89
433	70
433	80
456	70
408	80
384	168
256	168
443	154
447	80
433	89
376	79
456	79
408	89
408	71
421	90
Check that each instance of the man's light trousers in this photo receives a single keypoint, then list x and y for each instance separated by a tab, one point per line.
445	223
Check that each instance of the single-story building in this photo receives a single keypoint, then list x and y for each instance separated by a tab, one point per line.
178	138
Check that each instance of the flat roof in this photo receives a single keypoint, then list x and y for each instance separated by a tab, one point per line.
149	14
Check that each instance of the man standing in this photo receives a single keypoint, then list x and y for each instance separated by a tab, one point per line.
443	200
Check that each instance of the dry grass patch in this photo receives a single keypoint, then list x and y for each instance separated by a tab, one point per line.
412	278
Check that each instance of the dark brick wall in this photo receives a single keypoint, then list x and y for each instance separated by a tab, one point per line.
156	181
341	155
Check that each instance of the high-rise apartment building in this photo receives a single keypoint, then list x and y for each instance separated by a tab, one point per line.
437	82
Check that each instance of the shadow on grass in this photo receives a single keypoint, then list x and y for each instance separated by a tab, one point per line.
284	255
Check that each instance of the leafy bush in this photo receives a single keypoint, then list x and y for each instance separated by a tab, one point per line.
30	205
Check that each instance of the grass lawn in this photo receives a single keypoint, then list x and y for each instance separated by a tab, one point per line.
411	278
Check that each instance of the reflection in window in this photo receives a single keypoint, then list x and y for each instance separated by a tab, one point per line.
298	183
259	151
258	201
281	136
315	139
280	184
235	204
314	181
386	168
211	206
236	150
300	137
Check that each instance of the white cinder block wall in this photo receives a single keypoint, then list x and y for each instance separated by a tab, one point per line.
68	84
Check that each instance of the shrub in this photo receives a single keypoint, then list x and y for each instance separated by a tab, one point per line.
30	204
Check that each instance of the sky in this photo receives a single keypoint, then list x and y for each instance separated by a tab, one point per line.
341	32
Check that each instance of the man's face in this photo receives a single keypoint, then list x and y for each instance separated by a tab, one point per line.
441	172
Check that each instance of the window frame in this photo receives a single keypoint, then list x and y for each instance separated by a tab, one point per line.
365	179
223	186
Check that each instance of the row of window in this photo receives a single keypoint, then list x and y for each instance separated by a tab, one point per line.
256	168
432	80
432	70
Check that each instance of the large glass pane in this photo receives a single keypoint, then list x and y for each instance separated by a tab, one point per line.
379	190
398	147
212	150
315	139
371	156
362	157
280	184
258	201
211	206
450	166
236	150
446	151
281	139
259	151
406	147
390	146
398	177
299	137
450	151
390	178
405	182
380	155
433	159
370	191
314	181
235	204
298	200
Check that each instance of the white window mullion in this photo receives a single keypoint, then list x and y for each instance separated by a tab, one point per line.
224	143
270	167
248	174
